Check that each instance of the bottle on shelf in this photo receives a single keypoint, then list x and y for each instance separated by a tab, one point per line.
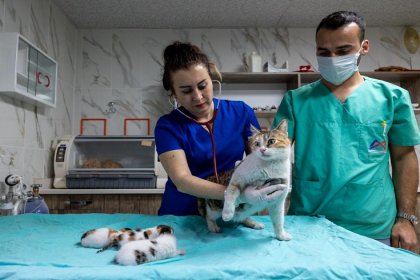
255	62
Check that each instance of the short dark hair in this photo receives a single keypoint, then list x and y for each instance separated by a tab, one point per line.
342	18
179	56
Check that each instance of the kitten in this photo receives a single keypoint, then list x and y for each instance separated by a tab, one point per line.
268	164
104	238
139	234
98	238
91	163
142	251
110	164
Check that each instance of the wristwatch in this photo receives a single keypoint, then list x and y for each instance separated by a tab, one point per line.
412	218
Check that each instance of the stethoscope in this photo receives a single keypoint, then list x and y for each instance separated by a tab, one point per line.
208	125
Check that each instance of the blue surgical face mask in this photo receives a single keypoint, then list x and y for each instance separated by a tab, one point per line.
338	69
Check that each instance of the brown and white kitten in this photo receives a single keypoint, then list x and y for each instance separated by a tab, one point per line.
268	163
149	250
104	238
95	163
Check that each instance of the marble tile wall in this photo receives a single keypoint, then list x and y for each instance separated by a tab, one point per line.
123	66
1	14
27	130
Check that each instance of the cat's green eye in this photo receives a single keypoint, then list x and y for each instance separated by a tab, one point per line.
271	141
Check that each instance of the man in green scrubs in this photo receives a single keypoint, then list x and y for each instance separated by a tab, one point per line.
345	129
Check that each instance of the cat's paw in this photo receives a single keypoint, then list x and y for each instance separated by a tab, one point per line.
284	236
227	214
214	228
248	222
257	225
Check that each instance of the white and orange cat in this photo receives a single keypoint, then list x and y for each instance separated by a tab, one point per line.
269	163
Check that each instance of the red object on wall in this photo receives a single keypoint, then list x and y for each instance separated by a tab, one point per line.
82	120
136	119
38	79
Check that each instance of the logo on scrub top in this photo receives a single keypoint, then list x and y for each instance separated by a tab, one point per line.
377	146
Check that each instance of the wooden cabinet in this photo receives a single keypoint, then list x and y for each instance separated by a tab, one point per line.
409	80
61	201
26	72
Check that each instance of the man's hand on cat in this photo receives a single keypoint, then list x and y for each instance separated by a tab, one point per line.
258	194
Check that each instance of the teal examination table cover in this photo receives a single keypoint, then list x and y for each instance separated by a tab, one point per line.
36	246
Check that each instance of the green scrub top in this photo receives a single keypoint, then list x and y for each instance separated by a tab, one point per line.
341	168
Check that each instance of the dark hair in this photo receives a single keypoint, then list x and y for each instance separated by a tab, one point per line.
342	18
179	56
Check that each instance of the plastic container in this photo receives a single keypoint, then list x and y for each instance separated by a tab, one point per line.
255	62
36	204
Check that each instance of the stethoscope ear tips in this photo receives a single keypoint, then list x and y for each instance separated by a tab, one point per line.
173	102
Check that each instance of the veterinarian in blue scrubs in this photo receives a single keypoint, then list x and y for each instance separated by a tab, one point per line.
345	129
203	136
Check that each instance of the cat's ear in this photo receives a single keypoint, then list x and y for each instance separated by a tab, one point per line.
282	126
254	130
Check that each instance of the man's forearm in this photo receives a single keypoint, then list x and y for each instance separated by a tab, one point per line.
405	174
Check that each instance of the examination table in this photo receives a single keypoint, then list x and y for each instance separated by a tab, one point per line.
36	246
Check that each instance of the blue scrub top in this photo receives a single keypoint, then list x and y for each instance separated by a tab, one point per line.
174	131
341	165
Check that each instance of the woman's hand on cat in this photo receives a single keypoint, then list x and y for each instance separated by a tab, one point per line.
258	194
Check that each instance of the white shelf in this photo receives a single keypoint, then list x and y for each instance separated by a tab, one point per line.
258	77
272	114
308	77
41	68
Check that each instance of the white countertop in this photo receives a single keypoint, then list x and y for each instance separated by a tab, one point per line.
101	191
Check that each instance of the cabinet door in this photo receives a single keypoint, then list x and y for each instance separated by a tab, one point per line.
22	66
45	78
103	203
32	70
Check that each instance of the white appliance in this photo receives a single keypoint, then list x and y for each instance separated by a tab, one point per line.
105	162
62	146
